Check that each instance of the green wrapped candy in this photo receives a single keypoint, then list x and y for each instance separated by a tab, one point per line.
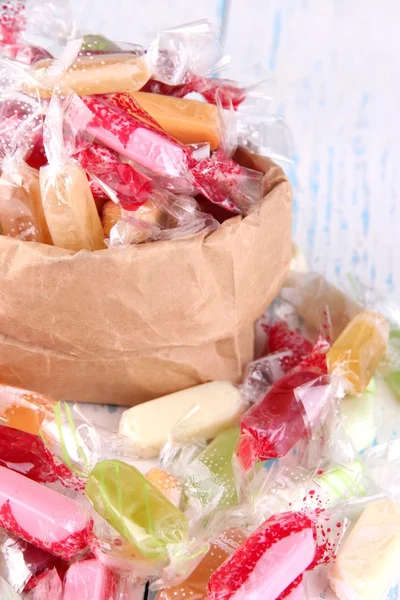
210	478
358	413
136	508
394	382
337	482
98	43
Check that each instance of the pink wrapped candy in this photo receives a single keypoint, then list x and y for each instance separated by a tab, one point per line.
42	516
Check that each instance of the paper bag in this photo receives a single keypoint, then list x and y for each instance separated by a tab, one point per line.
127	325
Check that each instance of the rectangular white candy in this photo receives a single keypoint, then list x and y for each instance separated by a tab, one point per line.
216	406
368	562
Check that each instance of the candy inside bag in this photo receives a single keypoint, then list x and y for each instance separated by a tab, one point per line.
21	210
68	202
162	217
171	56
13	23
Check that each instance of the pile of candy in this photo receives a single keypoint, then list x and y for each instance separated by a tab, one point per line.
102	147
272	489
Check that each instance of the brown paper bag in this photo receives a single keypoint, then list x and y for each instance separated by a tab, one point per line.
124	326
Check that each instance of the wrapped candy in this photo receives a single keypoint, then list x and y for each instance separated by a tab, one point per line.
290	407
21	564
119	123
268	562
89	575
215	406
189	121
317	300
109	176
367	563
171	55
136	508
356	353
210	478
24	410
281	337
42	516
49	586
162	217
195	586
167	483
358	414
26	454
12	24
21	210
68	203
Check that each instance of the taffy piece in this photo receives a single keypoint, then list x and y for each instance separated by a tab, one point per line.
150	213
358	414
89	579
24	410
134	138
338	482
26	454
281	337
210	478
109	175
319	302
136	508
89	74
367	564
21	210
265	565
204	410
48	586
290	407
42	516
68	203
356	353
295	591
195	586
214	90
167	483
189	121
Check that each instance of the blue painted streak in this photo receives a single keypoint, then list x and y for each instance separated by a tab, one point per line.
276	38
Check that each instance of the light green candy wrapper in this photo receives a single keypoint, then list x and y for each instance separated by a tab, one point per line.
341	480
358	414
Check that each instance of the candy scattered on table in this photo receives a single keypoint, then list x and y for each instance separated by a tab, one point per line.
262	489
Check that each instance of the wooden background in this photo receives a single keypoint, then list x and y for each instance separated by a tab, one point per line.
336	64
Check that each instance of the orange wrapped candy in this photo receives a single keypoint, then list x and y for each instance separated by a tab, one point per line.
24	410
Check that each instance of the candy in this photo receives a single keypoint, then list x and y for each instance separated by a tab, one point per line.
339	481
189	121
368	561
109	175
168	484
195	586
69	207
268	561
150	212
210	477
136	508
358	414
89	74
215	406
24	410
357	351
26	454
215	91
135	139
271	428
294	591
281	338
48	586
42	516
89	579
316	300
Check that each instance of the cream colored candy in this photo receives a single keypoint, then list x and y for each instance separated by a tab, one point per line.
200	411
367	564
